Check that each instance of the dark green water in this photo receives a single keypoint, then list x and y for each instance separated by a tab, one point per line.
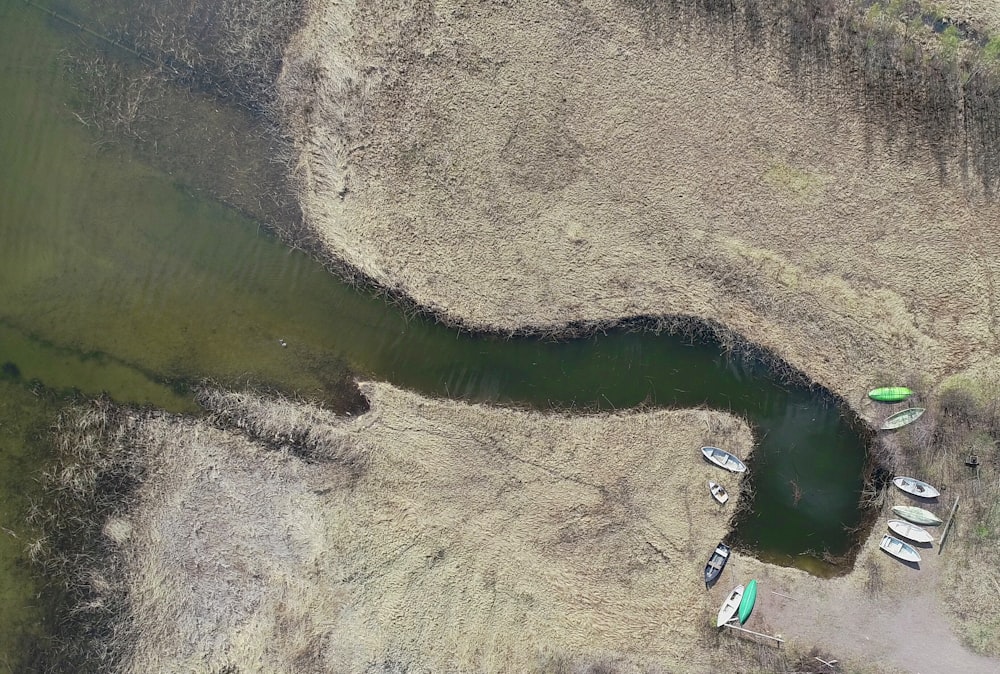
115	277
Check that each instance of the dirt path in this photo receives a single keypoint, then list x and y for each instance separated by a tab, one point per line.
903	625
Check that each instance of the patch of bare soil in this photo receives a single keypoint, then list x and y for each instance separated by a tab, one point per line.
423	536
886	612
531	165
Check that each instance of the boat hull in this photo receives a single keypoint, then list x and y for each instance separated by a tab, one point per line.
730	606
916	487
716	563
724	459
899	549
911	531
900	419
916	515
890	394
748	601
718	492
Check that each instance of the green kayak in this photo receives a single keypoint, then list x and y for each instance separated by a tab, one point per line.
749	599
898	419
890	394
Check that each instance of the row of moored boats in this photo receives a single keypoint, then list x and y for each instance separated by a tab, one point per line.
740	601
909	527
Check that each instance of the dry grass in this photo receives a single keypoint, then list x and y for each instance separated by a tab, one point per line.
431	535
274	536
543	164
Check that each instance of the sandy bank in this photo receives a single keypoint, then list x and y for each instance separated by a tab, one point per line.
426	536
537	164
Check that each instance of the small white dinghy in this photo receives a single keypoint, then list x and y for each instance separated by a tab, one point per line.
724	459
719	492
898	548
911	531
730	606
916	487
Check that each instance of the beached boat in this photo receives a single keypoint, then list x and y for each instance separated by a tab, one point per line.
724	459
747	602
890	394
911	531
730	606
916	515
716	563
899	419
898	548
916	487
718	492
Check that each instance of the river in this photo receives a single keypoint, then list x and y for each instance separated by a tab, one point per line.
119	276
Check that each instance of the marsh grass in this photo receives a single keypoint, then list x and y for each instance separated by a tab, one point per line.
278	532
93	478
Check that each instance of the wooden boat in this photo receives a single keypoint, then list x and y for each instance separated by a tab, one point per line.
899	419
716	563
730	606
890	394
911	531
724	459
916	487
718	492
916	515
749	599
898	548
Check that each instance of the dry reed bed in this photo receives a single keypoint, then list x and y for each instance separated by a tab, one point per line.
427	534
542	165
275	536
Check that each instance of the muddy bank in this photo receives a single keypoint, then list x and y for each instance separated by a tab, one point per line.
533	166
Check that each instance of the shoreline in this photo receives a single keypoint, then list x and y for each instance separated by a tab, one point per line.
393	217
279	536
428	593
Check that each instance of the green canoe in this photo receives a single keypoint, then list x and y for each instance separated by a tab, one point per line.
890	394
898	419
749	599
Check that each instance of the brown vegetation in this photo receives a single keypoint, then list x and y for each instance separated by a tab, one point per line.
426	534
543	165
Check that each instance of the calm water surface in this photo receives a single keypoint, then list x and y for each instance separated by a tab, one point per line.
115	277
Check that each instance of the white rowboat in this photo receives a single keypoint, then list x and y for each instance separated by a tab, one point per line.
718	492
724	459
730	606
900	419
916	487
898	548
911	531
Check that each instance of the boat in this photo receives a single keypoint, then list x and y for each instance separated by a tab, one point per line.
911	531
890	394
716	563
898	548
916	487
730	606
718	492
749	599
916	515
899	419
724	459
